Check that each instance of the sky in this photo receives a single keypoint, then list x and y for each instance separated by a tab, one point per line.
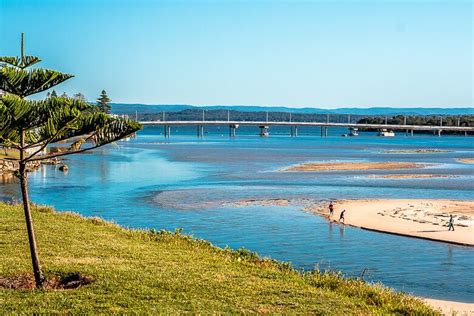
324	54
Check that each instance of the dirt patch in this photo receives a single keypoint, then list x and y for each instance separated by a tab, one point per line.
23	281
27	281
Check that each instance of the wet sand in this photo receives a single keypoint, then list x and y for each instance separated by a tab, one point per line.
412	176
416	151
352	166
426	219
264	202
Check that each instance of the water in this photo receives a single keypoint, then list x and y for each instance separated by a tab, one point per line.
182	182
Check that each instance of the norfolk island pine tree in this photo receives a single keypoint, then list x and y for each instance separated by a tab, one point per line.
103	102
29	126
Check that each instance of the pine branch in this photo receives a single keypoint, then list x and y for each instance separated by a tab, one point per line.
23	82
9	143
18	62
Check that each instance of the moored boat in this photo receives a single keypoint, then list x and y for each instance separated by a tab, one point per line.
386	133
353	131
264	130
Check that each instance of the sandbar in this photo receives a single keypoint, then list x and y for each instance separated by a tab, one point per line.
346	166
412	176
255	202
426	219
416	151
466	160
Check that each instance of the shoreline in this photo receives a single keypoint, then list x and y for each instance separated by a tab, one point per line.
411	236
415	218
424	219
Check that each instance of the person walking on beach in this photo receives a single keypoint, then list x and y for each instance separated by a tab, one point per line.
451	223
331	209
341	217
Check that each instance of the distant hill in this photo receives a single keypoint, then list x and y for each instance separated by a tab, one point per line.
121	108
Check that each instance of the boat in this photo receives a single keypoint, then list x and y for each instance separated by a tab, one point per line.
264	131
353	131
385	133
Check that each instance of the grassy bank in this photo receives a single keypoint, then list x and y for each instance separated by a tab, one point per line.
149	271
9	153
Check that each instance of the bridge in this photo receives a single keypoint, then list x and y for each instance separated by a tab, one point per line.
324	126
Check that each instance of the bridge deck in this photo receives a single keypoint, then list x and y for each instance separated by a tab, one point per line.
323	124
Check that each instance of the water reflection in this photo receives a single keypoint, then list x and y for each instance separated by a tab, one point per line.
341	231
104	168
7	178
450	254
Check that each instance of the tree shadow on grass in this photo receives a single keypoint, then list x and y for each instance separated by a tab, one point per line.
67	281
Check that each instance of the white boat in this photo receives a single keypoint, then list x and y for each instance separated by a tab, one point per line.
353	131
385	133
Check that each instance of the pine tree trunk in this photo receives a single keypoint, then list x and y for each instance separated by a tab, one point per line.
39	279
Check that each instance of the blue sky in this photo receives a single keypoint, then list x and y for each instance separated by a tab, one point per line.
323	54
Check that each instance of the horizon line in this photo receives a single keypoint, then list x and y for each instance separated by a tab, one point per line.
293	107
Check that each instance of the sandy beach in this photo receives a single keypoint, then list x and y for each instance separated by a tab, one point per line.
416	218
426	219
451	308
346	166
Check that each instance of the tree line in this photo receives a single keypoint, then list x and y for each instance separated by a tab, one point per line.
103	101
224	115
429	120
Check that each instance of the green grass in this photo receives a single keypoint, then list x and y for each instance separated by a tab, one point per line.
138	271
9	153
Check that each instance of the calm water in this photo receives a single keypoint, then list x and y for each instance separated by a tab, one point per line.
182	182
